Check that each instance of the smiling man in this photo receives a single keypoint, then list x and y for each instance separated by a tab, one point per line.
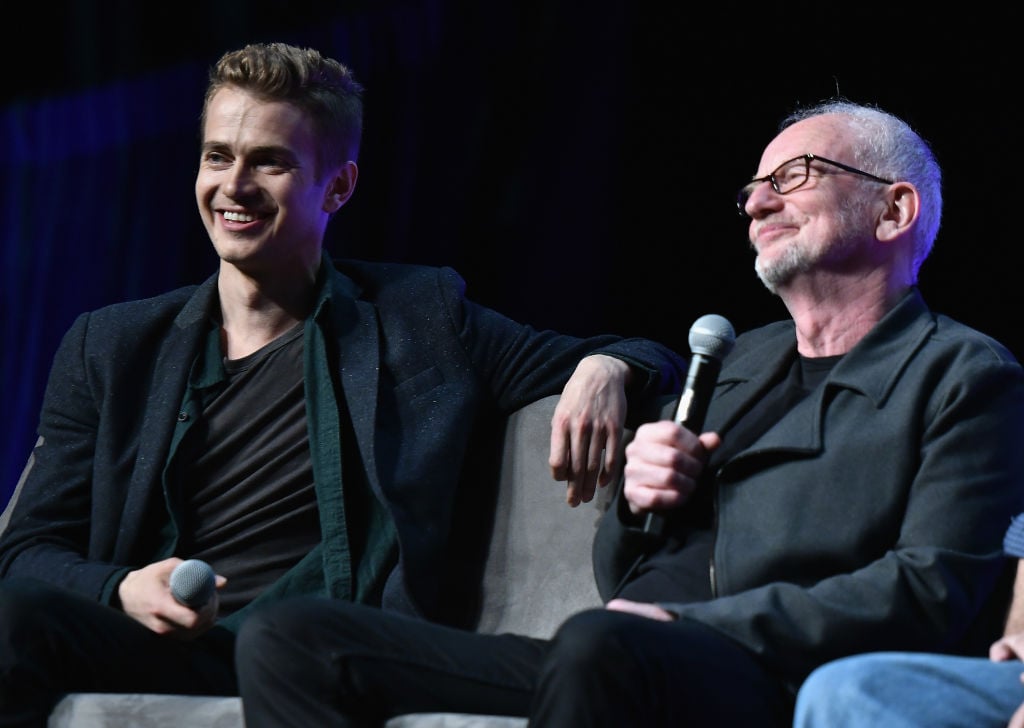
305	426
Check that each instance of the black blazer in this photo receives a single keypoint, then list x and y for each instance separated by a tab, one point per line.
871	516
427	377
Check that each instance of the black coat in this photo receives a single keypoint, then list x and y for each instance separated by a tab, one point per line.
872	515
427	377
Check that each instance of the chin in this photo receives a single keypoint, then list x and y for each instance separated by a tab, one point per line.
773	276
768	283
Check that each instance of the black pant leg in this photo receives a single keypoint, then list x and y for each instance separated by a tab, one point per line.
606	668
54	641
322	662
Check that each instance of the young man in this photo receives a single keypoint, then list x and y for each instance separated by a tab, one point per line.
859	466
305	426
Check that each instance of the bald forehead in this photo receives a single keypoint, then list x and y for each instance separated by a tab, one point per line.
828	135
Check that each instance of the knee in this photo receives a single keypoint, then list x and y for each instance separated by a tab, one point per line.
295	631
596	671
269	631
266	648
593	638
822	686
22	607
839	689
30	623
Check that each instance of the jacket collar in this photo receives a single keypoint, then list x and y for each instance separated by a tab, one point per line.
872	367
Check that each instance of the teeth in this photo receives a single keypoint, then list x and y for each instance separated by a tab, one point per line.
238	217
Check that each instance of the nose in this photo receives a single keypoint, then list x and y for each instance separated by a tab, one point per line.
238	181
761	195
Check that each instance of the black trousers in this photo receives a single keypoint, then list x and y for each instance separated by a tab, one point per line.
53	641
316	662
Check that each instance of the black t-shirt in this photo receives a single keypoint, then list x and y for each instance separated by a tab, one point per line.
246	486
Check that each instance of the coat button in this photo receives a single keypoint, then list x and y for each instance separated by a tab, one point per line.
182	416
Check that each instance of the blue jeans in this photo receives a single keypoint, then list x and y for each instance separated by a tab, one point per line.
903	689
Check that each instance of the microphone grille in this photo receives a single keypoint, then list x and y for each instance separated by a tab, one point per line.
192	583
712	335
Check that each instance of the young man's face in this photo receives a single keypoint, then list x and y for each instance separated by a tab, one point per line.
257	187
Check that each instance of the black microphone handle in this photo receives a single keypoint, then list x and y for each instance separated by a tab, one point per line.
690	413
697	391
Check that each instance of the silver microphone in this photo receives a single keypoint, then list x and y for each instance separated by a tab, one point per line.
711	339
193	582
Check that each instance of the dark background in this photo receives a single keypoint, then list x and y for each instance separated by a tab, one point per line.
576	162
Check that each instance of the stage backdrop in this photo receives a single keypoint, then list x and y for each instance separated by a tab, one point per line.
576	162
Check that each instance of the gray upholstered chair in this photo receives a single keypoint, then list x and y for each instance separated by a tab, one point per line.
538	572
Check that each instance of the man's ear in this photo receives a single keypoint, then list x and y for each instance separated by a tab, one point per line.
342	185
902	206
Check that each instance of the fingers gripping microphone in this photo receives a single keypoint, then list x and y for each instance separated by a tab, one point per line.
193	583
711	339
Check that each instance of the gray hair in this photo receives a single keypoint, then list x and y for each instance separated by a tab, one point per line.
887	146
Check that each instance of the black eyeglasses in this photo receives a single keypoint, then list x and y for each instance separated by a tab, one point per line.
792	175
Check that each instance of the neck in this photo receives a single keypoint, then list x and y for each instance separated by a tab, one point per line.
255	312
831	318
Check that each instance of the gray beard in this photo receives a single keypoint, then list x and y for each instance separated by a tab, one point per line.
797	259
783	269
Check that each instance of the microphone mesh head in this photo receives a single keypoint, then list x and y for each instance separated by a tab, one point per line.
712	335
193	583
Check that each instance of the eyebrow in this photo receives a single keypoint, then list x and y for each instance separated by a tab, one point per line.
273	149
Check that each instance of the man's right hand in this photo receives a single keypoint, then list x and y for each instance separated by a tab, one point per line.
663	462
146	597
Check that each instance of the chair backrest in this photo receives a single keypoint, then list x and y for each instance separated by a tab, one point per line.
538	568
5	517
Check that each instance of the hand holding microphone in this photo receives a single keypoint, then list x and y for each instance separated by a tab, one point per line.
711	339
193	583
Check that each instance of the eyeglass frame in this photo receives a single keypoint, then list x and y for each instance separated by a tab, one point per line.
746	190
